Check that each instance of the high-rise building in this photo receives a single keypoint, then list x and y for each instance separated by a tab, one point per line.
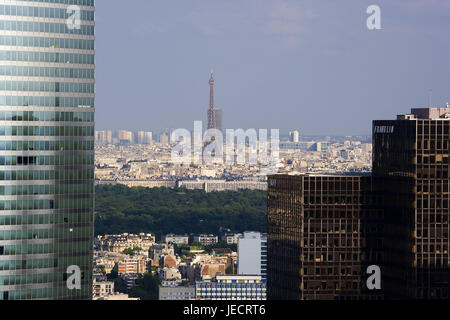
416	147
252	254
100	137
164	139
319	243
109	137
219	119
294	136
324	231
46	149
125	137
103	138
144	137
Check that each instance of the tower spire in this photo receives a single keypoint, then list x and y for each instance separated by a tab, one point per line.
211	111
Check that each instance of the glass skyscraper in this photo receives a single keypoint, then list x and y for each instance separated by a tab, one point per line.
324	232
46	149
417	146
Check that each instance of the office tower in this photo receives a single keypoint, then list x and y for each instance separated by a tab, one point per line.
125	137
99	137
402	211
416	146
140	137
144	137
294	136
109	137
46	149
318	234
148	138
218	118
103	138
164	139
252	254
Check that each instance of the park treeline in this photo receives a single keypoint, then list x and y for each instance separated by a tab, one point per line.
120	209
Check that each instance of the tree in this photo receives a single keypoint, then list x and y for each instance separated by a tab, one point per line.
229	270
132	251
102	269
147	288
119	286
114	272
121	209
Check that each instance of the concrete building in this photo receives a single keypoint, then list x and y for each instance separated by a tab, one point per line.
132	265
231	238
160	250
125	137
252	254
118	243
240	287
176	239
169	274
102	289
130	280
206	239
117	297
176	293
164	139
144	137
294	136
222	185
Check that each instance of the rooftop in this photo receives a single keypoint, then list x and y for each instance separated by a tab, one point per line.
426	113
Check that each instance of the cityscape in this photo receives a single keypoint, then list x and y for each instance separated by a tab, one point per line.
97	207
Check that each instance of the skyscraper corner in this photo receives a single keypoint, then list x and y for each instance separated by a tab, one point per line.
47	93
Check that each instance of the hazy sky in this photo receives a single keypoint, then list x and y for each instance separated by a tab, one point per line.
290	64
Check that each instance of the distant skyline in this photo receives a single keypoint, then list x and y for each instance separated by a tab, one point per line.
306	65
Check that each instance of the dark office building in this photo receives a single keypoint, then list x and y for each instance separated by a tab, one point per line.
416	145
324	231
318	232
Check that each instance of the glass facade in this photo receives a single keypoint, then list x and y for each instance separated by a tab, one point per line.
321	237
47	93
325	231
419	148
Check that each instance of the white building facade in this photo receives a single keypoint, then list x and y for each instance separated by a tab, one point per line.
252	254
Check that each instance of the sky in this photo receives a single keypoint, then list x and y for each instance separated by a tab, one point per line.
310	65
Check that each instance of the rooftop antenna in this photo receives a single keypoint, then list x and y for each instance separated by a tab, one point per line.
431	98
